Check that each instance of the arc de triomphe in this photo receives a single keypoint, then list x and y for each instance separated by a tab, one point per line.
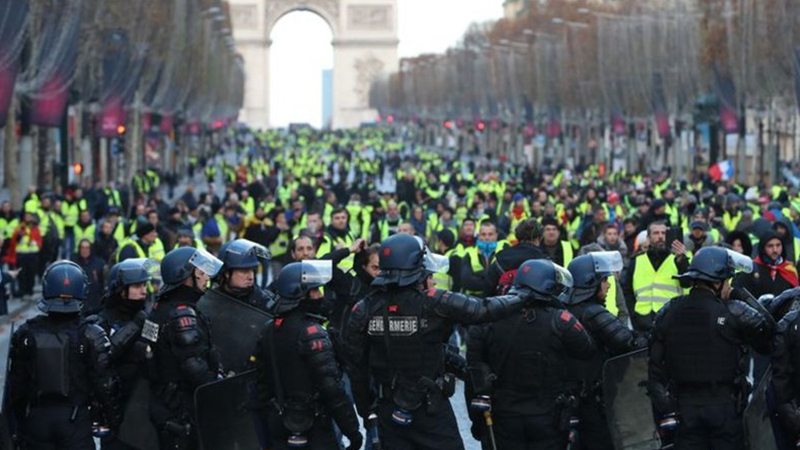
364	46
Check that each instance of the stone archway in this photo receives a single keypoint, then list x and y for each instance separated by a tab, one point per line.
364	46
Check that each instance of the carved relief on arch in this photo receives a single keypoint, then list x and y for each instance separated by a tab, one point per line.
327	9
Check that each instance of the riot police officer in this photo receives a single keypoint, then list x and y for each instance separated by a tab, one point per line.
241	259
236	305
299	380
122	318
59	366
520	363
179	337
698	357
785	364
394	338
592	275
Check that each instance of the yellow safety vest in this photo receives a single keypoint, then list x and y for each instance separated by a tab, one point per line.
652	288
156	250
130	241
281	245
611	296
443	280
566	248
25	244
84	233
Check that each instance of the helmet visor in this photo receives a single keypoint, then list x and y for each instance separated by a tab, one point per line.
739	262
245	247
206	262
139	270
607	262
317	272
563	277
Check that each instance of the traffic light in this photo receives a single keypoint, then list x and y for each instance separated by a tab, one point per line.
480	126
121	129
77	168
448	124
390	118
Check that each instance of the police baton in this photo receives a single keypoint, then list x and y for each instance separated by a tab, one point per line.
483	404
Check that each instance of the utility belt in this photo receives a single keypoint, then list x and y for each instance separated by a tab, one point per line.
407	397
298	416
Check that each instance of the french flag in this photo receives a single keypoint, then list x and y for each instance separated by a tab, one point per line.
722	170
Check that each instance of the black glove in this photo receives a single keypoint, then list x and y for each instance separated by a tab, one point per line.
356	441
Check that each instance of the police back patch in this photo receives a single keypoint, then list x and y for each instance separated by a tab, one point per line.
398	325
150	331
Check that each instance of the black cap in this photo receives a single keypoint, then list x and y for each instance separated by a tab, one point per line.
144	229
447	237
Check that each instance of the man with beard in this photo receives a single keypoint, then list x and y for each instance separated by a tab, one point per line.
648	282
772	274
387	225
698	237
338	236
559	251
791	244
122	318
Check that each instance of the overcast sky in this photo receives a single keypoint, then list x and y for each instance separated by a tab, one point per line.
301	49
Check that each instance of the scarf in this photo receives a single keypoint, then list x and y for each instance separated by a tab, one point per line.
786	269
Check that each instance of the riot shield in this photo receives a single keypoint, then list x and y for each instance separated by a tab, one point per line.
236	327
137	430
628	408
226	417
5	350
757	423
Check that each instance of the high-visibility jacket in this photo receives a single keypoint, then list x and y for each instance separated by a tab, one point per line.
71	210
443	280
25	244
654	288
280	246
611	296
156	250
329	243
48	219
113	198
249	206
566	248
140	253
88	232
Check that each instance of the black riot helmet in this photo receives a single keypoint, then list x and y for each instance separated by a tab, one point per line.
242	254
296	280
130	271
179	264
543	279
404	260
63	288
588	271
716	264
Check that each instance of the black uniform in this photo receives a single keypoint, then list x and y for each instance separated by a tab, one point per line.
183	359
698	364
59	366
255	297
298	373
612	338
528	354
407	364
786	374
127	353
